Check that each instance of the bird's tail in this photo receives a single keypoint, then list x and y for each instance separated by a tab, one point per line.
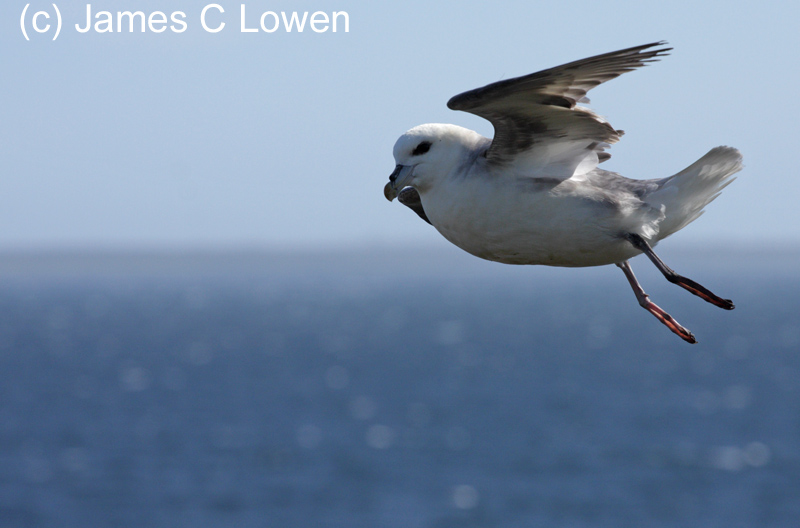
685	194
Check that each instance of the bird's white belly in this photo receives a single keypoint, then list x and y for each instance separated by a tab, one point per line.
513	226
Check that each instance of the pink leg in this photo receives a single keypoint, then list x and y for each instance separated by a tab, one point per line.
644	302
685	283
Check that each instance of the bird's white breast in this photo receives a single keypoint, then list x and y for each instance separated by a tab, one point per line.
525	222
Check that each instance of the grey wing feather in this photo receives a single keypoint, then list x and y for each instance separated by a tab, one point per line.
410	198
541	106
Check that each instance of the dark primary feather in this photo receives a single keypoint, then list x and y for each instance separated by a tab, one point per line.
542	106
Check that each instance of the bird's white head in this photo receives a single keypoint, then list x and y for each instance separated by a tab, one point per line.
427	153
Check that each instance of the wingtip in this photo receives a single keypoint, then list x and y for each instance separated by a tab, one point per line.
659	43
645	54
655	54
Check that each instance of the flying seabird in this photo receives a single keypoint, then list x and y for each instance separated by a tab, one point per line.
534	193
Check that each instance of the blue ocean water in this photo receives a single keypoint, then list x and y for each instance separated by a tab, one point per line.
383	389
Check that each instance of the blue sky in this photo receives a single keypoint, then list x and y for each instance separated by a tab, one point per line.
256	140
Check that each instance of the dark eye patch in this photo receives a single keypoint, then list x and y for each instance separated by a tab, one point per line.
422	148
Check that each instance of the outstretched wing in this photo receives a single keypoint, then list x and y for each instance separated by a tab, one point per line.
537	122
